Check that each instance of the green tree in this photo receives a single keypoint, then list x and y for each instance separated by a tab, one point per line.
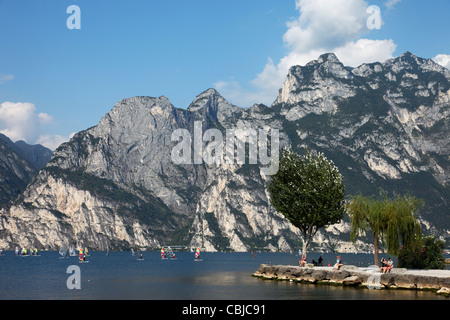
391	220
309	191
426	253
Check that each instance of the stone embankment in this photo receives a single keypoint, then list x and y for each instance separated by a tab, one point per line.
398	278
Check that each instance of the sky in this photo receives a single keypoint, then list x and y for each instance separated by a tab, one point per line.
62	68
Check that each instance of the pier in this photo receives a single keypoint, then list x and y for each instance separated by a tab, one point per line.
371	278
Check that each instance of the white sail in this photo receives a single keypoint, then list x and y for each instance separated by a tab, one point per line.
63	249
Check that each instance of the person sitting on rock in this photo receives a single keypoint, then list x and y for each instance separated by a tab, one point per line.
383	265
338	263
389	266
302	262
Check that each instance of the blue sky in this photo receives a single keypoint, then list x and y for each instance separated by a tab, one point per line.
55	81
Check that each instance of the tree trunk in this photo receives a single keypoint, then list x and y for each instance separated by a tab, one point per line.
305	245
375	249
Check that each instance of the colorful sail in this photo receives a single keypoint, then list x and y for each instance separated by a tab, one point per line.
163	254
81	256
197	253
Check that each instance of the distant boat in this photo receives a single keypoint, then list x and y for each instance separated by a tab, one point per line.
132	252
140	258
171	254
72	252
63	251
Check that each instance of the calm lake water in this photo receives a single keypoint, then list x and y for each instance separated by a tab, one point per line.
220	276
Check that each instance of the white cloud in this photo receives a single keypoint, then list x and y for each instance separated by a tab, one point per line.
391	3
443	60
365	51
51	141
19	121
45	118
5	77
322	26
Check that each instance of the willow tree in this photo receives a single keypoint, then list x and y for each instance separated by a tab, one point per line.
309	191
391	220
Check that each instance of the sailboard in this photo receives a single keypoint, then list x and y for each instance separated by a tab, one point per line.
63	251
140	258
72	252
171	254
197	255
163	254
82	257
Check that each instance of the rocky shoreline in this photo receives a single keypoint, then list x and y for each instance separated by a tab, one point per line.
399	278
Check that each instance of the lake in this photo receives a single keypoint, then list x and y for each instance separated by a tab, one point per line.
219	276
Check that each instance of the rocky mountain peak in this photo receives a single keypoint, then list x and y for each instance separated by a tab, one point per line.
135	113
136	103
318	79
208	100
409	62
327	58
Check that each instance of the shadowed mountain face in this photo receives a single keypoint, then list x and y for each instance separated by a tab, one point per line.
117	185
15	173
19	163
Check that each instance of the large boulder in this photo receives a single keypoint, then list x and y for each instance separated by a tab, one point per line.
387	279
405	281
338	276
444	292
351	281
428	282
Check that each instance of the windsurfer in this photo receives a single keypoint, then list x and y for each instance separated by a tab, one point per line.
82	256
197	253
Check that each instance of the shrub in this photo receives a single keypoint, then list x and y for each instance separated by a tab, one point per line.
424	254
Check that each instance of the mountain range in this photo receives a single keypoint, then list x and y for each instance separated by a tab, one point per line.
115	185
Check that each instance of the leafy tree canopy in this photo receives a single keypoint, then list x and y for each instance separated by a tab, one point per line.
309	191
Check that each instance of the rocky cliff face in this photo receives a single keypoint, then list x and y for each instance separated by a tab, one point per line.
116	185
